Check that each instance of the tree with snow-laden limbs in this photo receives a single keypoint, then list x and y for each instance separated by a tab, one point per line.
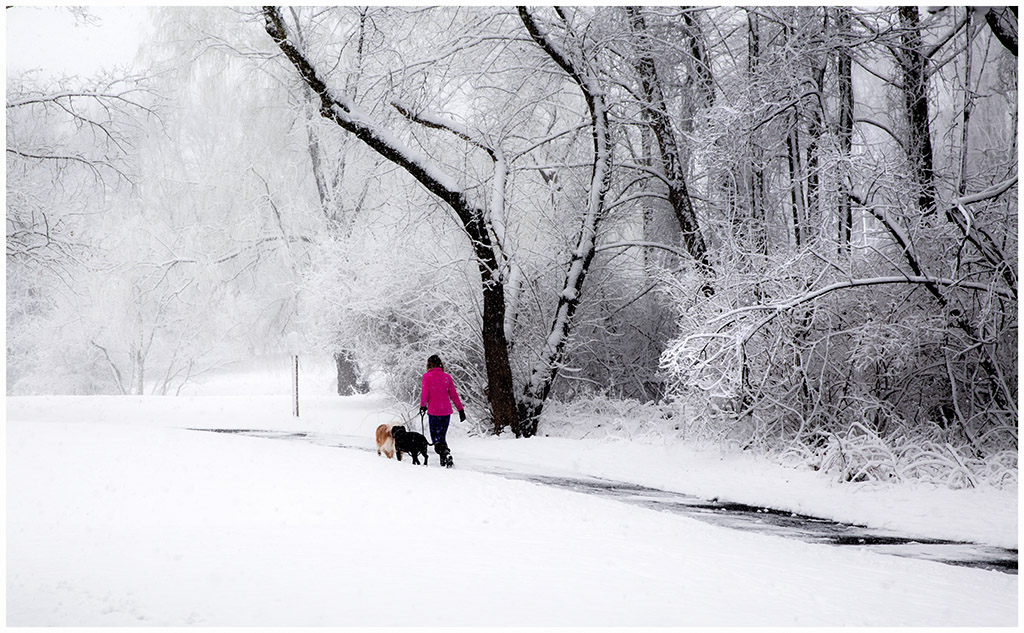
340	108
483	220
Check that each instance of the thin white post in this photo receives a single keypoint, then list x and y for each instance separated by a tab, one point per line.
295	382
294	343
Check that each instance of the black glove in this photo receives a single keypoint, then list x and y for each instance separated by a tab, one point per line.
462	415
422	411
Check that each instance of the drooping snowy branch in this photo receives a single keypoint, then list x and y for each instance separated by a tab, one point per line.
992	192
642	244
779	308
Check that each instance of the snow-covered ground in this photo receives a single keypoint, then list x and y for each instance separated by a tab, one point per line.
117	514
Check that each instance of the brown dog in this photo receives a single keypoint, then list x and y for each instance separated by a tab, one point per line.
385	442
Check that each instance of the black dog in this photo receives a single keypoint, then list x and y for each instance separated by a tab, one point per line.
409	442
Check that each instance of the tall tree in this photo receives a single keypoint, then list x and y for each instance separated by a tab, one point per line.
340	108
538	384
670	150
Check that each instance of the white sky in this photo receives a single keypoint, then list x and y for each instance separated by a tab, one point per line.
49	38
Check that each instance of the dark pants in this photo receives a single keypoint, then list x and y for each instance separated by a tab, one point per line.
438	430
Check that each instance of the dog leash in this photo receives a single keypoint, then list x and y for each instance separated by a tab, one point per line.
429	443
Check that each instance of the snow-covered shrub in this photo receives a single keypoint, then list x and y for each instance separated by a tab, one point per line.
864	383
602	417
862	455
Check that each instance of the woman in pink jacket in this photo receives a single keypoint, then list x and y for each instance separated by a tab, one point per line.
438	388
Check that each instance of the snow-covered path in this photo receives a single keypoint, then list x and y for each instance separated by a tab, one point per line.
118	515
734	515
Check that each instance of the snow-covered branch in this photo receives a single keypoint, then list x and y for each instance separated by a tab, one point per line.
496	206
885	128
641	244
438	122
91	163
779	308
992	192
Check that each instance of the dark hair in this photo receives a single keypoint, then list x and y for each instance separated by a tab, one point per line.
434	361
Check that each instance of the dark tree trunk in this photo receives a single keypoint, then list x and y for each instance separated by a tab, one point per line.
349	381
756	183
656	113
700	64
815	132
911	59
965	124
500	389
796	183
844	69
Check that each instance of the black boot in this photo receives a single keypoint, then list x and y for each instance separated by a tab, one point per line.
446	455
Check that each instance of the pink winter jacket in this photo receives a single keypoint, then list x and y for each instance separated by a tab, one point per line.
437	387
